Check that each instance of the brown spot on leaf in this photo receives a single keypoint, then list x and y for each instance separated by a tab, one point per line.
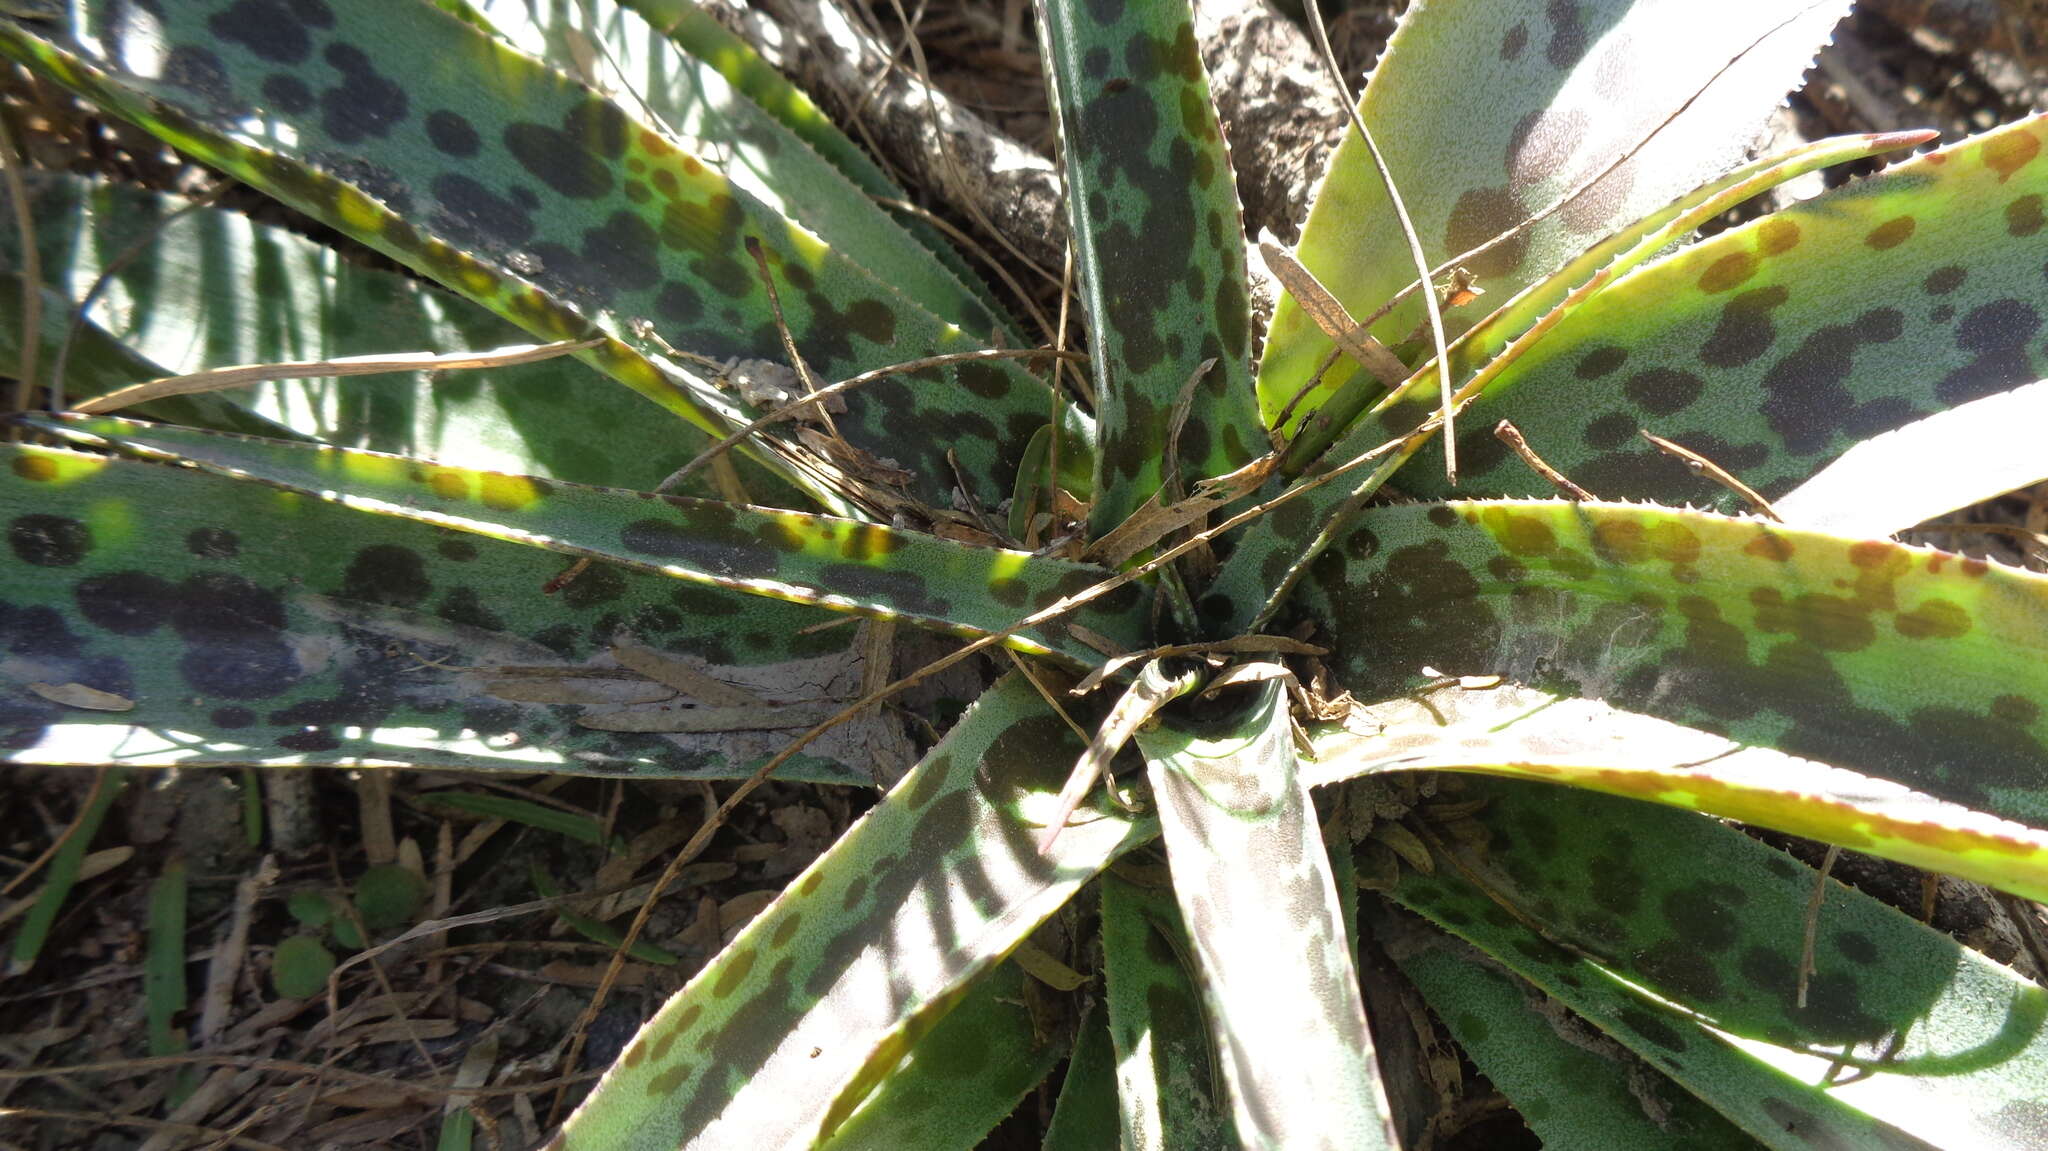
2009	151
1891	233
1933	619
2017	709
1777	235
34	469
1769	546
1728	271
1479	215
2023	216
1512	44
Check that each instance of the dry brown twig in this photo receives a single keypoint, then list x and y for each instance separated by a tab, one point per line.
1715	472
1507	433
220	379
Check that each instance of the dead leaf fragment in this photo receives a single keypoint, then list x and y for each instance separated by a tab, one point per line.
673	672
80	696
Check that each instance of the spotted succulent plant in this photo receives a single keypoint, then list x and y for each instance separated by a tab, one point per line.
1431	723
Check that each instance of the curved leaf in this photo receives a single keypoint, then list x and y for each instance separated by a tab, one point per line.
889	926
1487	113
1573	1085
1773	347
1158	244
99	363
1907	1039
213	288
1504	334
1253	881
1513	731
960	1078
1949	460
842	564
529	193
1903	663
697	32
253	626
1085	1117
614	50
1168	1081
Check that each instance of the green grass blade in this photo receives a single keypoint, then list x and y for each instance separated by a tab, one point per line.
547	203
324	635
842	564
1571	1084
163	969
597	930
1681	938
926	892
1487	113
63	871
458	1128
163	976
1158	244
1774	347
961	1077
1253	881
1906	664
1168	1080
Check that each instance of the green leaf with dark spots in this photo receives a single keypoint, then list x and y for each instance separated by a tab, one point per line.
1907	664
1496	341
1774	347
1274	551
1488	113
891	925
99	363
255	626
845	565
525	191
1907	1038
1158	244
